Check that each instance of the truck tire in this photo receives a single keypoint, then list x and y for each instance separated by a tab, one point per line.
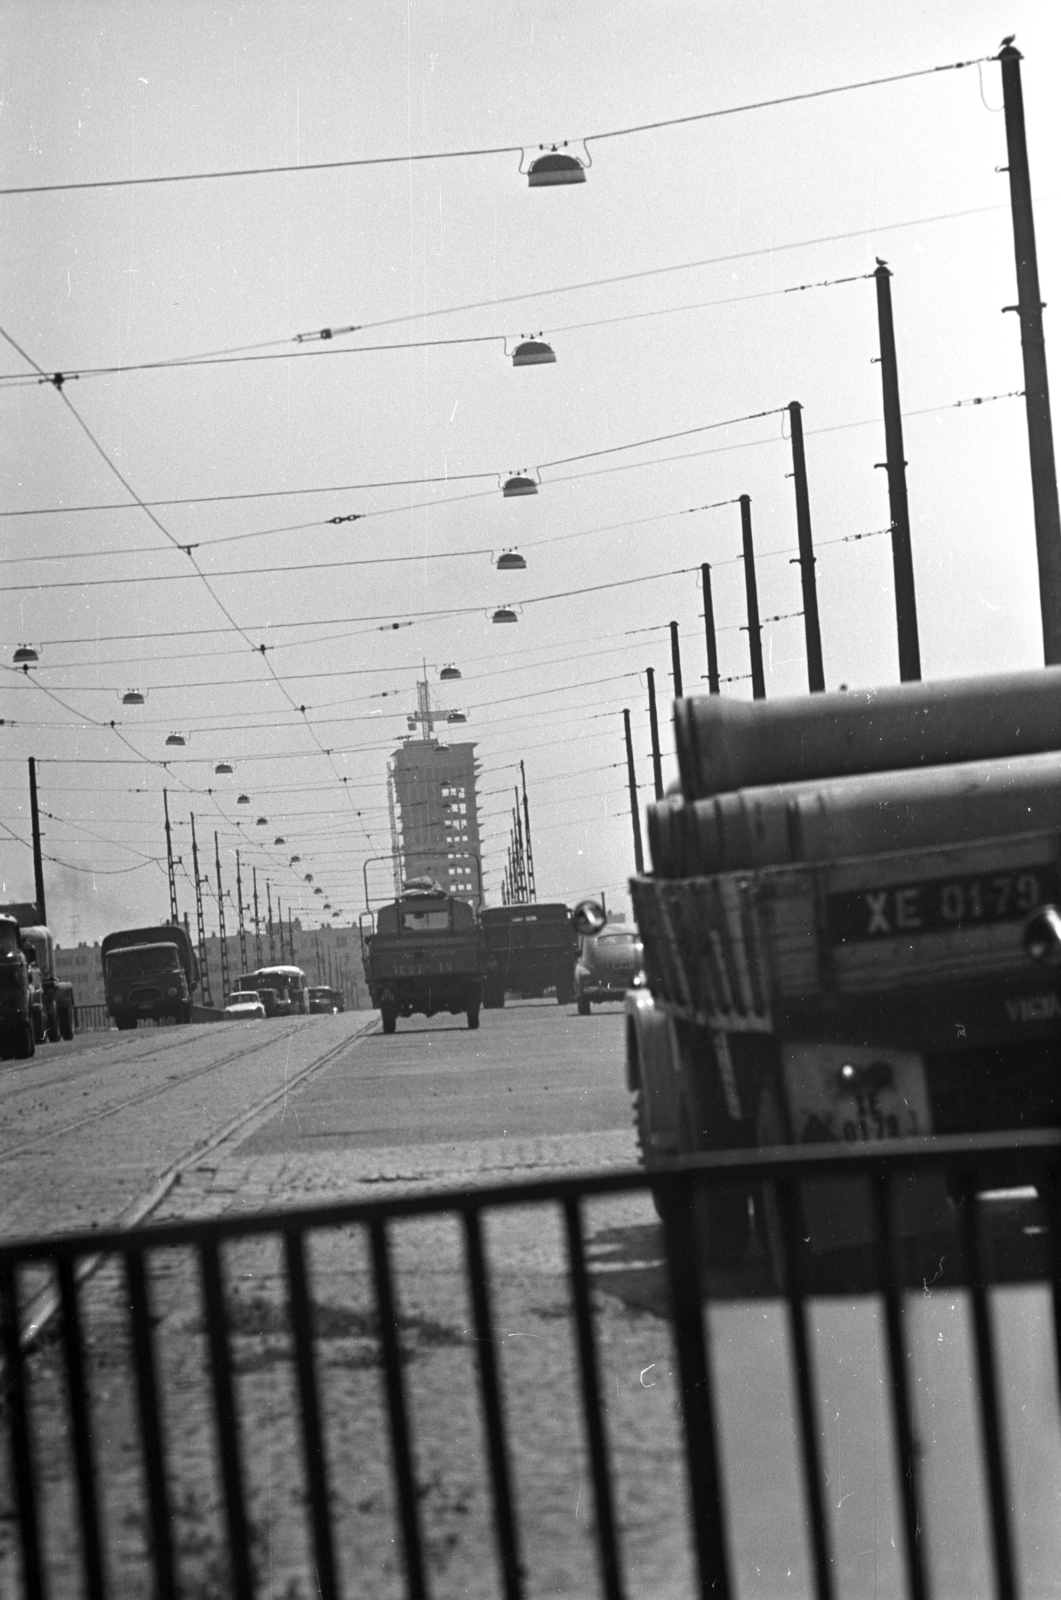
183	1013
473	1016
723	1224
389	1019
23	1040
583	1006
51	1024
493	995
124	1020
771	1128
565	988
66	1022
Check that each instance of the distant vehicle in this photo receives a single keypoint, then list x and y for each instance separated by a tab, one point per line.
425	955
150	973
323	999
529	949
244	1003
54	1008
608	963
16	1020
282	990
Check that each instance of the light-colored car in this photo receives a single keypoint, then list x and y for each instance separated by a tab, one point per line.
245	1003
608	964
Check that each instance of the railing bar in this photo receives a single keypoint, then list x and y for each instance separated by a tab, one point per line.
312	1436
1050	1197
906	1445
788	1204
698	1421
408	1502
18	1429
81	1428
225	1418
150	1425
987	1373
486	1350
591	1403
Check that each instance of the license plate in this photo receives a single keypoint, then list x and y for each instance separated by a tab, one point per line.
938	905
855	1094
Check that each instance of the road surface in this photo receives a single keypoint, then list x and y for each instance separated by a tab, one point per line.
313	1111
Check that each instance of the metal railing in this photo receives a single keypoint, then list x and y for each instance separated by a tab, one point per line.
92	1019
780	1183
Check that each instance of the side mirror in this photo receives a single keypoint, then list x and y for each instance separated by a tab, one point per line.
588	917
1042	936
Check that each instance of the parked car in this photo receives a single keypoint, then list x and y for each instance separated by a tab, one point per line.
245	1003
608	963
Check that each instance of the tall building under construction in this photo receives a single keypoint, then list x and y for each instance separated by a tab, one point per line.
435	813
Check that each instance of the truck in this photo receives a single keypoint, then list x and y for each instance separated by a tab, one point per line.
149	973
529	948
424	954
52	1003
17	1037
852	934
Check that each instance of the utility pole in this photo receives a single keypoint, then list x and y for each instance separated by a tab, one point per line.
815	670
635	815
174	916
290	937
676	661
653	723
532	891
521	863
225	984
709	631
755	632
242	930
257	923
280	921
902	556
269	903
1029	309
38	859
208	998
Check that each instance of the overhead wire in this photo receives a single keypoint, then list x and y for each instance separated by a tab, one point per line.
411	158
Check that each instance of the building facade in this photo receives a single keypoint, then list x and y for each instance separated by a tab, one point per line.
438	815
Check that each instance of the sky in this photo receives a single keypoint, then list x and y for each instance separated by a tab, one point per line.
274	543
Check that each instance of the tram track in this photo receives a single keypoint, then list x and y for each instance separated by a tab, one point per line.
41	1306
169	1085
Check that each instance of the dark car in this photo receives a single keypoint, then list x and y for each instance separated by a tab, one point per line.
322	999
608	963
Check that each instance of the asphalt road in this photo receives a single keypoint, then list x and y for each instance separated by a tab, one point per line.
88	1129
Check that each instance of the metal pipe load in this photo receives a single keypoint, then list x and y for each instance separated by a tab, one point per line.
792	823
725	745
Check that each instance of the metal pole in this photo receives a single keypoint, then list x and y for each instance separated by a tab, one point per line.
290	937
709	631
35	824
521	867
653	723
173	913
208	998
280	927
1029	310
815	670
532	891
902	558
269	924
257	922
676	660
635	815
755	632
226	988
242	930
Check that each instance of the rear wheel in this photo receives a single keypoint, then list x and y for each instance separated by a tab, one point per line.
66	1022
494	995
565	989
583	1006
473	1016
124	1020
723	1226
389	1019
23	1041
